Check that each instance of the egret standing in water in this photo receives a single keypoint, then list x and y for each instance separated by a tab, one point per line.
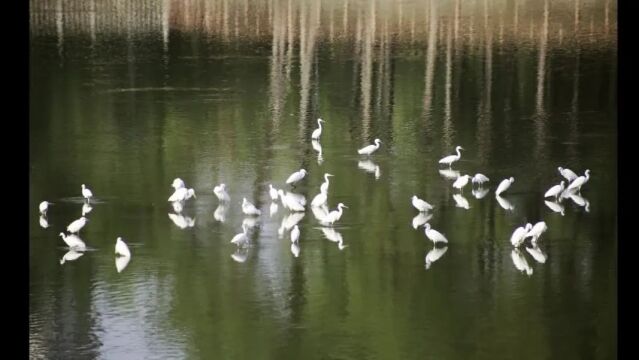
368	150
296	176
320	199
450	159
576	185
421	205
518	236
220	192
75	226
241	239
335	215
555	191
434	235
325	184
480	179
536	231
504	185
73	242
290	202
44	206
317	132
461	182
272	192
121	248
86	193
182	194
295	234
567	173
249	209
178	183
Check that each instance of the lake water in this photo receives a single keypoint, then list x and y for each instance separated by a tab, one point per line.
125	97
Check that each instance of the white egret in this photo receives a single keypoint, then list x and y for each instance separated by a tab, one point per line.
518	236
121	248
567	173
434	254
86	208
421	219
434	235
480	192
220	192
301	199
480	179
70	256
504	185
520	262
290	202
537	254
320	212
537	230
317	132
295	249
461	201
450	174
241	239
182	221
249	209
43	222
335	215
461	182
325	184
450	159
182	194
76	225
580	181
296	176
295	234
319	199
44	206
73	242
505	204
121	263
220	213
555	190
178	206
240	255
178	183
368	150
250	222
86	193
273	209
420	204
272	192
554	206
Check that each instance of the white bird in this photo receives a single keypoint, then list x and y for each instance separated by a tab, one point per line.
420	204
241	239
43	222
301	199
273	209
249	209
368	150
421	219
461	182
518	236
295	249
182	221
537	254
290	202
318	147
295	234
450	174
178	206
220	213
537	230
555	190
178	183
461	201
567	173
121	248
76	225
450	159
434	254
520	262
578	182
240	255
319	199
73	242
320	212
272	192
505	204
434	235
324	186
556	207
182	194
480	179
296	176
480	192
220	192
504	185
121	262
86	208
44	206
317	132
70	256
86	193
335	215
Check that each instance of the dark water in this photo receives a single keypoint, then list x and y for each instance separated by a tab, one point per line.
125	112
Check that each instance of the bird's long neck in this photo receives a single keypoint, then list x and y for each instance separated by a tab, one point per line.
458	153
587	176
319	124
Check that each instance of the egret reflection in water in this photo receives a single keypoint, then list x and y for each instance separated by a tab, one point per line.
370	167
220	212
421	219
70	255
433	255
121	262
505	204
182	221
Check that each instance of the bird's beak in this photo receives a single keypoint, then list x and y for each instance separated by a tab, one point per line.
346	206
